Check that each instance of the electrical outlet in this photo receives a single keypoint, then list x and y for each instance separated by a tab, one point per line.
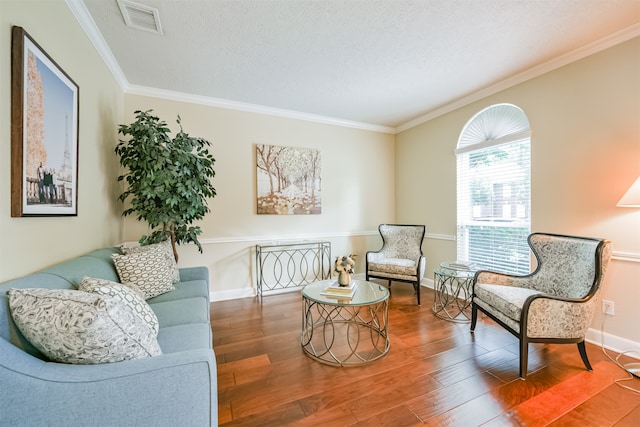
608	307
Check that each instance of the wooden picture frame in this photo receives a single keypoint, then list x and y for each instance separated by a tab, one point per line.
44	132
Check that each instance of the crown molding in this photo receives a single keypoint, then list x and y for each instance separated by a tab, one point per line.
89	26
611	40
253	108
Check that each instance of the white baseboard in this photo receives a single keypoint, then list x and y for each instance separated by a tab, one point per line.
613	343
247	293
231	294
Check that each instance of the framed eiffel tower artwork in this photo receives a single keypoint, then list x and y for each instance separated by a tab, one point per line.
44	132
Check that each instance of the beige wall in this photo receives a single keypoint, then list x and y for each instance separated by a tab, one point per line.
585	153
585	121
28	244
357	187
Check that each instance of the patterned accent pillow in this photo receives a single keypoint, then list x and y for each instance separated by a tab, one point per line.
130	295
148	270
166	246
71	326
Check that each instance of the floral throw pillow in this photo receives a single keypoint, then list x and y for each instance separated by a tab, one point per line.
165	246
70	326
149	270
130	295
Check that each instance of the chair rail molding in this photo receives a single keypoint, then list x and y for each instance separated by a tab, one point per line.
626	256
282	237
297	237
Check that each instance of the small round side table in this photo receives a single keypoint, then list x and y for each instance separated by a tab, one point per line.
452	285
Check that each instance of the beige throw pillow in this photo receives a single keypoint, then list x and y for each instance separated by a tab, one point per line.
149	270
70	326
165	246
130	295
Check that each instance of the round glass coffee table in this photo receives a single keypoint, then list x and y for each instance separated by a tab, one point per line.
345	332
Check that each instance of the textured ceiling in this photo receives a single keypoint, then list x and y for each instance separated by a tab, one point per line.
381	62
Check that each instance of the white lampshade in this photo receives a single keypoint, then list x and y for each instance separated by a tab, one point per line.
631	198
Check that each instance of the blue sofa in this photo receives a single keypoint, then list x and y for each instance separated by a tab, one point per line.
178	388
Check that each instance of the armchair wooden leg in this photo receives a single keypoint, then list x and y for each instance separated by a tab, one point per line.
583	353
524	355
418	290
474	316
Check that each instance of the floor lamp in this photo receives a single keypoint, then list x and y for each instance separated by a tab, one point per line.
631	199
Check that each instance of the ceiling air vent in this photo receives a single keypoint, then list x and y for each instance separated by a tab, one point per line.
141	17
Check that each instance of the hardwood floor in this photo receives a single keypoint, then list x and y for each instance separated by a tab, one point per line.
436	373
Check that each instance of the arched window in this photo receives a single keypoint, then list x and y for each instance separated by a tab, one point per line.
494	191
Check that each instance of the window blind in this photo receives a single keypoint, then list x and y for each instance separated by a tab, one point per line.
494	204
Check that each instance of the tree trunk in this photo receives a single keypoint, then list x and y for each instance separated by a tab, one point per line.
173	242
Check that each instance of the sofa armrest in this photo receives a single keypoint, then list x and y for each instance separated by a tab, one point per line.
35	392
194	273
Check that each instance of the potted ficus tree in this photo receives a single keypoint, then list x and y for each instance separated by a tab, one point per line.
168	179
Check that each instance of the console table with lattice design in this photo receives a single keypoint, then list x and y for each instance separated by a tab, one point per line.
287	266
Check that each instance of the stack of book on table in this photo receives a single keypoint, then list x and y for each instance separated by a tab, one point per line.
334	290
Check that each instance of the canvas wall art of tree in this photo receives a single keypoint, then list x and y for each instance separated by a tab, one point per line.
288	180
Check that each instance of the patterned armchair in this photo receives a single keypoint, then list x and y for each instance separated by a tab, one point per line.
400	259
553	304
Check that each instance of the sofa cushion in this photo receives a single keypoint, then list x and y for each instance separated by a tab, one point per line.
181	312
70	326
130	295
149	270
165	247
190	289
179	338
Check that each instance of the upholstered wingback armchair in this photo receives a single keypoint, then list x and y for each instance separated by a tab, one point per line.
400	259
556	302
